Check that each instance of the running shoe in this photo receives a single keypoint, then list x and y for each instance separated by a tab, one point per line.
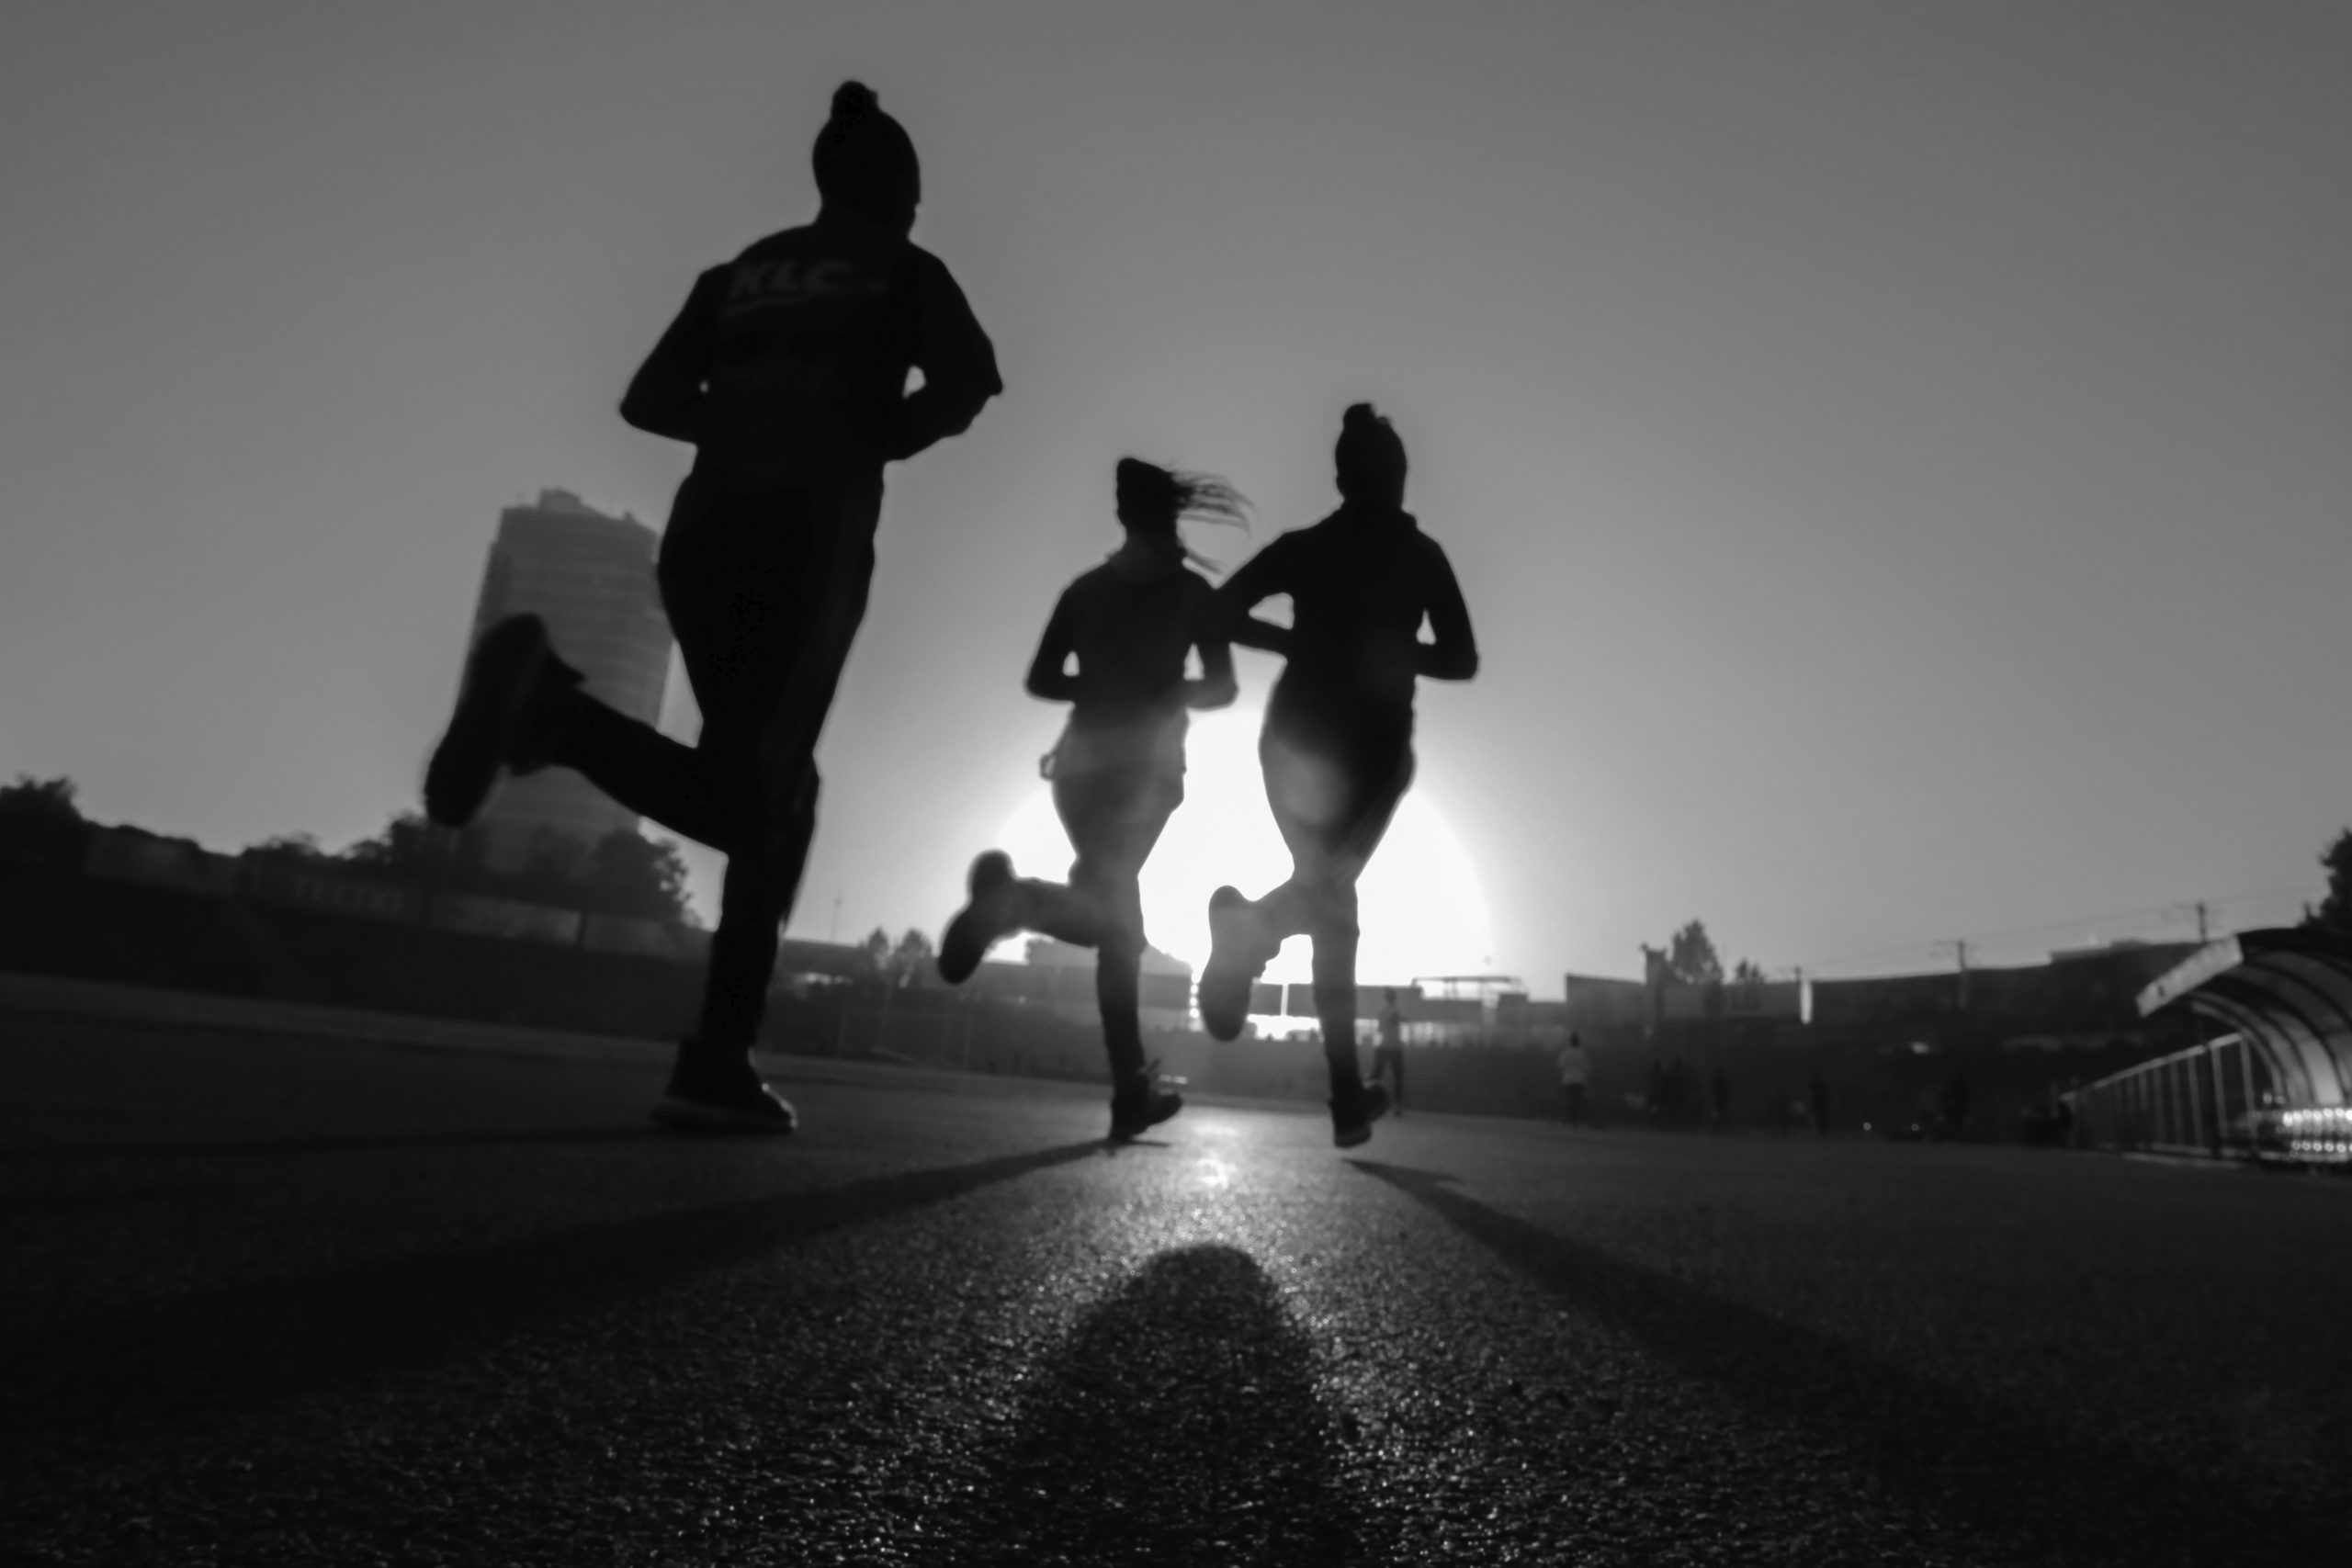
1237	956
720	1092
1142	1103
500	715
985	918
1352	1116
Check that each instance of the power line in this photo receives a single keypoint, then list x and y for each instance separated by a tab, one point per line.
2208	916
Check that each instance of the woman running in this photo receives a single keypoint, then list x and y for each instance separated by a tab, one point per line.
1118	770
787	370
1338	742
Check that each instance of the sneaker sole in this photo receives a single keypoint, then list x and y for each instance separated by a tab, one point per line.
962	946
498	678
1121	1134
694	1116
1224	995
1360	1133
968	936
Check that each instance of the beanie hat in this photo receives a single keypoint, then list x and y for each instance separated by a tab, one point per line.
1370	458
863	159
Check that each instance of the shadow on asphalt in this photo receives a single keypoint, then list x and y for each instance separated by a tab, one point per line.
1178	1424
1997	1469
359	1143
92	1381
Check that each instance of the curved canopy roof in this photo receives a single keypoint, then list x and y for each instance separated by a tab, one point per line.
2288	992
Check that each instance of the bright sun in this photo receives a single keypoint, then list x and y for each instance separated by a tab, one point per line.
1419	904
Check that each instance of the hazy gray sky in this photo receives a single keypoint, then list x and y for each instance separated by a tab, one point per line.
1896	453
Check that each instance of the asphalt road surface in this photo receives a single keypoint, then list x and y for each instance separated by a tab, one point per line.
272	1299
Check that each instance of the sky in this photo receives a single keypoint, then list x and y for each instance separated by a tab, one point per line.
1895	454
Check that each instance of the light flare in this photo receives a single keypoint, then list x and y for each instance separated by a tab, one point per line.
1419	905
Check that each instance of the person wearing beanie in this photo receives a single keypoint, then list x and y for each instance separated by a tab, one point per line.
786	370
1336	748
1118	771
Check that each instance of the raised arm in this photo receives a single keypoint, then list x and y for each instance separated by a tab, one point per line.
1453	656
1048	680
665	396
957	362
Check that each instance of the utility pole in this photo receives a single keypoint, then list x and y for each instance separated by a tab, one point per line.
2202	910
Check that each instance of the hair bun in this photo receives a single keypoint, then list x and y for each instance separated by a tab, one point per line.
1369	458
854	100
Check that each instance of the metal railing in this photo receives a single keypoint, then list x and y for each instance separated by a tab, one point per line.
2215	1099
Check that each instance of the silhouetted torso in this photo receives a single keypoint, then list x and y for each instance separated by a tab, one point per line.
801	349
1359	582
1130	621
1131	633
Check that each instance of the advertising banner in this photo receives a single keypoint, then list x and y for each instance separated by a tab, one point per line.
1594	1002
644	939
1759	998
338	895
476	915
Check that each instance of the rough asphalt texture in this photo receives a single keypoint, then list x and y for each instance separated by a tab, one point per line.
275	1300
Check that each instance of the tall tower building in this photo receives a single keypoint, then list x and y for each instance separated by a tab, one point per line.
591	578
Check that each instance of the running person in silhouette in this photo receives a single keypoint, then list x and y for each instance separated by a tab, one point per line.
1118	770
1336	748
787	370
1388	1052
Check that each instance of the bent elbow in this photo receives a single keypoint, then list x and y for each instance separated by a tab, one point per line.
958	405
658	416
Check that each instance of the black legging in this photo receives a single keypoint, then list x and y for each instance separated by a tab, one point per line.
764	593
1113	815
1334	773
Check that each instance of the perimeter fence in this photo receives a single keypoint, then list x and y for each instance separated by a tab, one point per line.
2218	1099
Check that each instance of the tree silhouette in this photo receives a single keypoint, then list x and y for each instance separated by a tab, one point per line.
40	823
621	874
628	874
911	957
408	848
2334	912
1690	957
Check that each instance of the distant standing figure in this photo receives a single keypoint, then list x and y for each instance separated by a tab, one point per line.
1719	1097
1337	748
786	369
1576	1072
1955	1104
1118	770
1388	1056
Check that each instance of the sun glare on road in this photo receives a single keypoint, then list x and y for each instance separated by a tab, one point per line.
1419	905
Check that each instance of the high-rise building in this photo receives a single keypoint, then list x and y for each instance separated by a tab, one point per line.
591	578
